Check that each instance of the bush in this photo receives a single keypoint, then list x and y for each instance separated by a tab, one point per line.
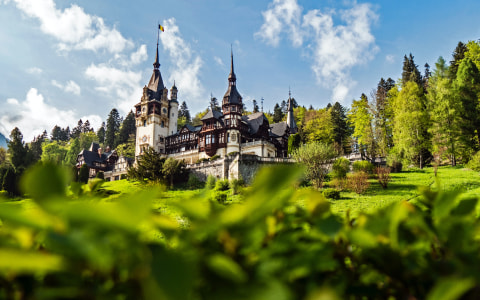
236	185
220	196
233	153
194	183
339	184
202	160
358	182
474	163
222	185
123	176
340	168
383	176
315	157
100	175
210	183
363	166
331	194
215	157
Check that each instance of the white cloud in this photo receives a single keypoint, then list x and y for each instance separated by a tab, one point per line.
187	64
73	28
34	70
390	58
70	87
34	115
282	15
140	55
334	48
219	61
124	85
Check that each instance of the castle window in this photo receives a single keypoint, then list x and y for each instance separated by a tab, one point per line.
228	137
144	123
234	108
207	139
234	137
213	139
163	124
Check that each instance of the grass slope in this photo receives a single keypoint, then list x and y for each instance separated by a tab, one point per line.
404	186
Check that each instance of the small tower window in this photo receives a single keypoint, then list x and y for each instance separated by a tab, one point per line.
144	123
228	137
163	124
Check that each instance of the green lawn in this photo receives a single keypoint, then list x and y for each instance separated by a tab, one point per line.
404	186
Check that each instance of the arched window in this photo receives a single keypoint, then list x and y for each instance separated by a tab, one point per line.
228	137
144	123
163	124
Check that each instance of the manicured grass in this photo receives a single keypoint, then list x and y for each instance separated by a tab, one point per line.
404	186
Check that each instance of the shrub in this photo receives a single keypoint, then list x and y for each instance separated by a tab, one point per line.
100	175
363	166
202	160
315	157
331	194
210	183
340	168
222	185
233	153
474	163
193	182
358	182
383	176
236	185
220	196
214	157
123	176
340	184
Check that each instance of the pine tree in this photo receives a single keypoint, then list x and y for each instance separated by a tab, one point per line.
277	114
184	112
113	125
383	116
467	90
410	71
9	182
457	57
341	130
86	127
77	130
16	149
361	120
101	133
128	128
56	134
214	104
255	106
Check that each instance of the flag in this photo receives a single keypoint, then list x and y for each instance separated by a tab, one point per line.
161	27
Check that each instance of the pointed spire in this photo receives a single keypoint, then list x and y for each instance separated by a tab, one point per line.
290	119
156	64
231	77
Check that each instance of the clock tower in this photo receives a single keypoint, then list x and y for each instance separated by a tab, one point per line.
155	115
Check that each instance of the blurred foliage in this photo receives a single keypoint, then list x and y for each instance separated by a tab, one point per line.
279	243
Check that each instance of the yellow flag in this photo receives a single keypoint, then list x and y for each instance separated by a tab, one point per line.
161	27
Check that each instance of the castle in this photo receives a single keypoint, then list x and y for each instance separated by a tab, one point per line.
222	132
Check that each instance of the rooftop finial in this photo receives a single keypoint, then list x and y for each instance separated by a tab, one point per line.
262	105
156	64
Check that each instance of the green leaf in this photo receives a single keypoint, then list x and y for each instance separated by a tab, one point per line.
226	268
450	288
26	262
45	182
34	217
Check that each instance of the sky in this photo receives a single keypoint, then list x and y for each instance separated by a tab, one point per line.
61	61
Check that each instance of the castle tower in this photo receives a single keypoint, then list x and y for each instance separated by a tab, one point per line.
152	113
172	126
232	108
290	119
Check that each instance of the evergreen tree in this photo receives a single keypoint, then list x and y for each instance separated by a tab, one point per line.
10	183
214	104
113	125
467	90
255	106
341	130
36	147
77	130
56	134
184	112
457	56
128	128
277	114
284	107
149	166
445	116
101	133
410	71
83	174
86	127
383	116
73	151
16	149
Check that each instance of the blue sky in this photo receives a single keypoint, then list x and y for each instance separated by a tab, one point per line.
65	60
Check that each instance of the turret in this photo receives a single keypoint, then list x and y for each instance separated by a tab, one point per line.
173	104
290	119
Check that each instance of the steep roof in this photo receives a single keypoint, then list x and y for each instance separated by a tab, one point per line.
254	121
278	129
212	114
232	96
155	85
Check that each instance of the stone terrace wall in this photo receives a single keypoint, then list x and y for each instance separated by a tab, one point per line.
234	167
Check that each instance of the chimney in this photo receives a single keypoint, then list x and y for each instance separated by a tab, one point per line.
100	152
